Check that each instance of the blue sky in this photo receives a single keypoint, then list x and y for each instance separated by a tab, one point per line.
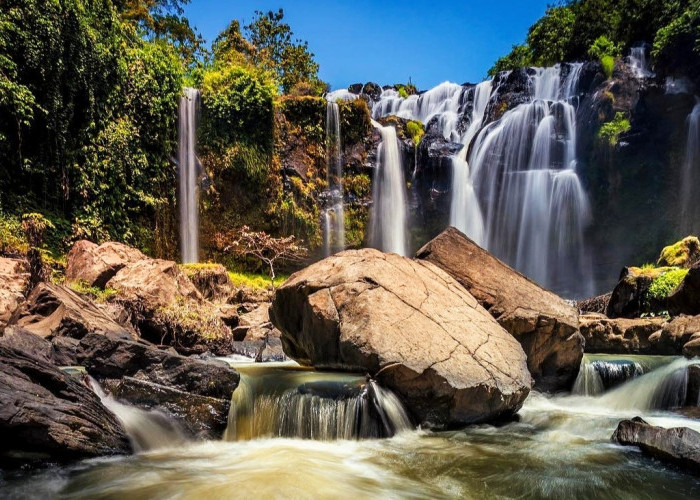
388	42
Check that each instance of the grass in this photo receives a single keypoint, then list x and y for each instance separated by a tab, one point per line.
99	295
191	269
254	280
183	315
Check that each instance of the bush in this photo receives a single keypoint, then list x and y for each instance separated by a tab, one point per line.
606	52
12	238
610	132
415	131
665	284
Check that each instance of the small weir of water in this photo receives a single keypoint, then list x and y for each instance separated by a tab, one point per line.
284	400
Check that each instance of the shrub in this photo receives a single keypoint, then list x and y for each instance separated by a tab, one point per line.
606	52
662	286
415	131
611	131
12	238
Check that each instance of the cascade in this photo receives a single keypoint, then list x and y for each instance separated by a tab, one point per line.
189	174
690	209
147	430
465	212
281	400
388	218
602	372
334	217
638	62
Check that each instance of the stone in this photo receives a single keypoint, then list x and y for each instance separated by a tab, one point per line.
686	298
597	304
683	253
628	298
45	415
14	283
674	335
545	325
679	445
691	349
621	335
55	311
410	326
212	280
96	265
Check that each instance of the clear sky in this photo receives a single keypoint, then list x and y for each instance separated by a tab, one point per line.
389	41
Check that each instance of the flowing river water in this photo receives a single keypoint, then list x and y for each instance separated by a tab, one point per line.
558	448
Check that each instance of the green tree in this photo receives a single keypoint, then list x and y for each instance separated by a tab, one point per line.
549	37
520	56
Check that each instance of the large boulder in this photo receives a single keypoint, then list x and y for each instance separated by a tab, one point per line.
686	298
212	280
678	445
47	415
59	351
96	265
409	325
545	325
629	298
54	311
14	282
620	335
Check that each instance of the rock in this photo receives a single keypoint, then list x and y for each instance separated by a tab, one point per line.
14	283
60	351
692	398
372	90
621	335
107	357
674	335
683	253
545	325
55	311
212	280
628	298
678	445
691	349
409	325
355	88
254	325
597	304
686	298
96	265
47	415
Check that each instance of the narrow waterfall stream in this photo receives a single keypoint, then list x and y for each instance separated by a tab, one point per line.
389	216
639	62
293	432
188	175
334	215
690	208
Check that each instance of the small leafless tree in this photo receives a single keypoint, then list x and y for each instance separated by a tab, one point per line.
269	250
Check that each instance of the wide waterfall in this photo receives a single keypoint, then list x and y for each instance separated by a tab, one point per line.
189	175
284	400
602	372
690	208
465	212
389	210
334	216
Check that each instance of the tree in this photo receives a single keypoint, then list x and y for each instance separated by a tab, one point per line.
520	56
269	250
549	36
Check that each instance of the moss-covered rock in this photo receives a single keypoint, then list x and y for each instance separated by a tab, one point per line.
683	253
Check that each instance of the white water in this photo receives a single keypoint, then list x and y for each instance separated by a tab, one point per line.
638	62
690	208
388	219
188	172
334	217
465	212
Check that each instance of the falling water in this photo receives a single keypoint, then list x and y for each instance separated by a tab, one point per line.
188	168
602	372
638	63
388	217
334	217
283	400
690	208
465	212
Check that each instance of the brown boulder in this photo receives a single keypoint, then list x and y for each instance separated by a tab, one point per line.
54	311
545	325
96	265
629	297
47	415
619	335
678	445
409	325
686	298
212	280
14	282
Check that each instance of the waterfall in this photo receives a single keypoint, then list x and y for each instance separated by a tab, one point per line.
523	167
188	172
334	217
638	63
389	211
465	212
147	430
690	208
275	401
602	372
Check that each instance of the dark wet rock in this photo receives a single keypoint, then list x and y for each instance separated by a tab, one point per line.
96	265
545	325
686	298
57	311
629	297
679	445
372	90
59	351
596	305
355	88
45	415
412	327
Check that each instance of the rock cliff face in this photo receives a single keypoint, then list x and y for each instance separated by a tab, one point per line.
409	325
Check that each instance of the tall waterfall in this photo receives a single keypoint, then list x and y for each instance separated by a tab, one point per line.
334	216
188	172
524	171
389	211
638	62
465	212
690	208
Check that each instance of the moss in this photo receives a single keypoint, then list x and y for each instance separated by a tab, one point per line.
254	280
648	271
683	253
666	283
359	186
99	295
608	63
355	121
306	112
415	130
187	316
611	131
356	224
